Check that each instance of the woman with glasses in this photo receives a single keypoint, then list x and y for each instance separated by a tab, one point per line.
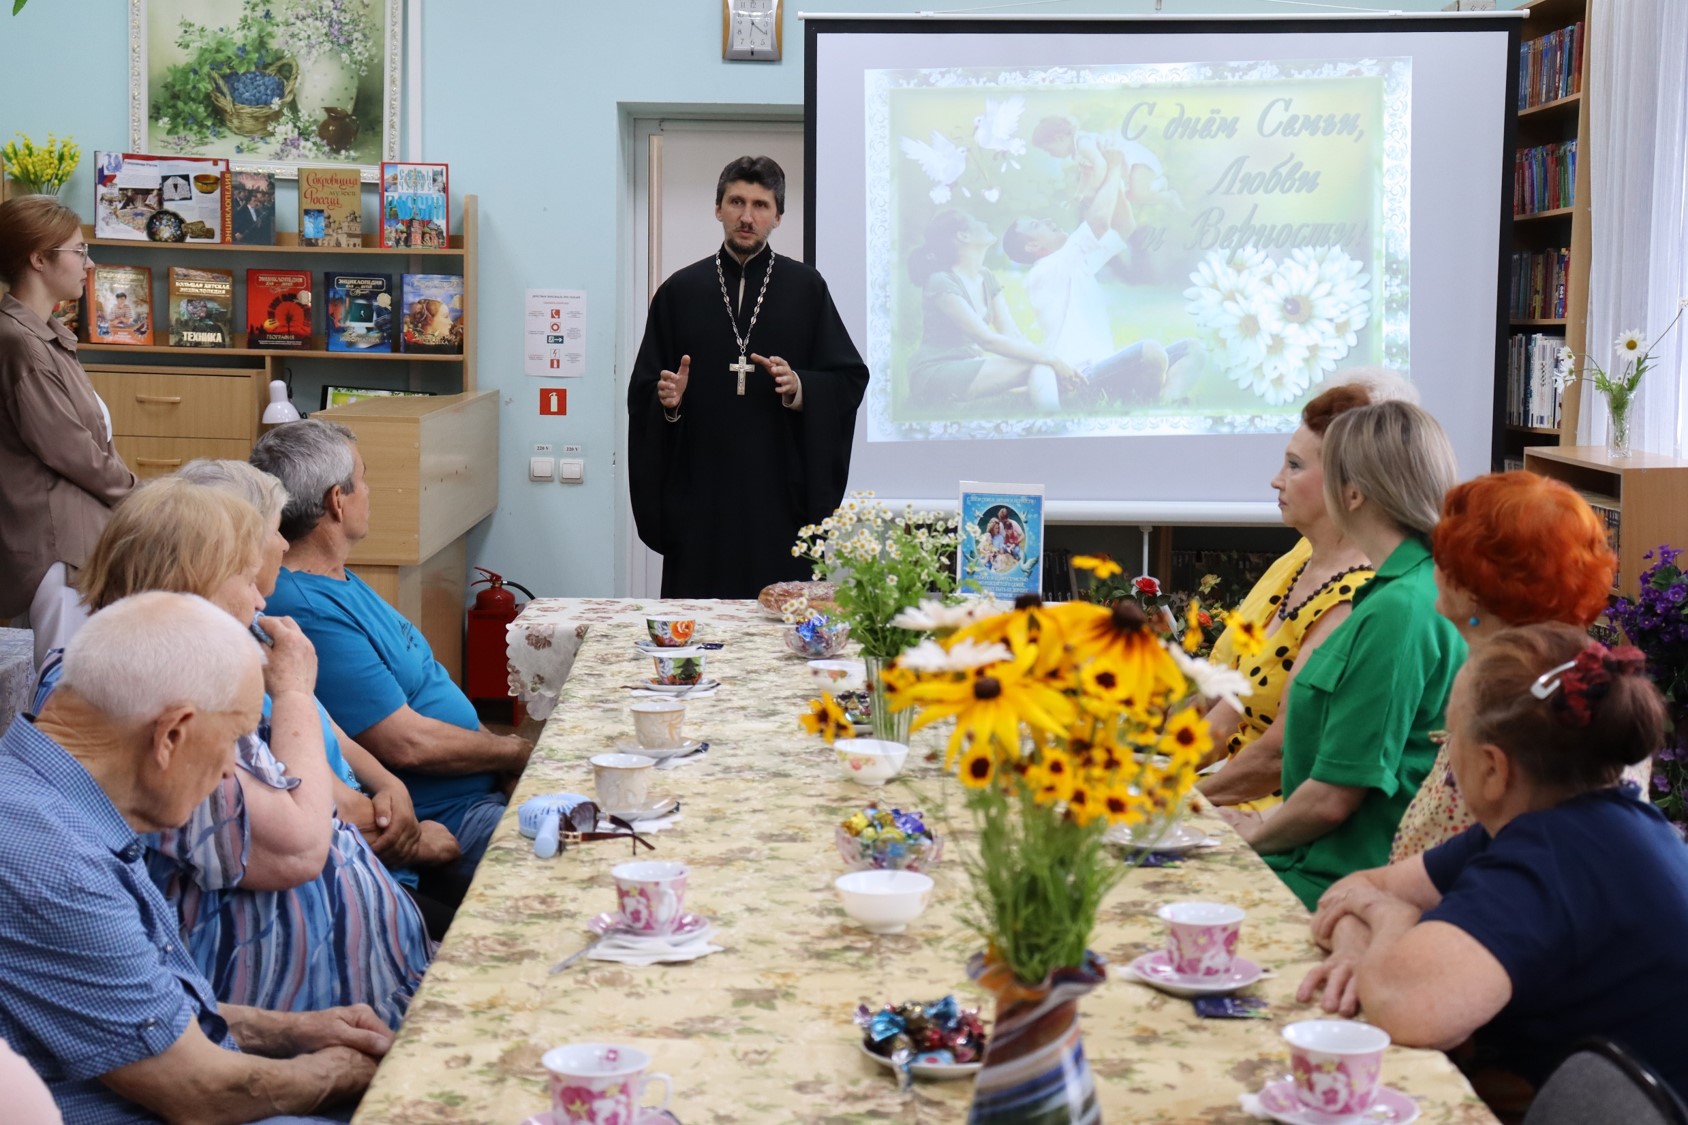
61	472
1559	914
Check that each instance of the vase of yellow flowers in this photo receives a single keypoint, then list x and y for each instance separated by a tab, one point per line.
41	169
1632	355
883	562
1072	721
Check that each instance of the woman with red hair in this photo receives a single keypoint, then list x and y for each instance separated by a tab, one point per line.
1511	549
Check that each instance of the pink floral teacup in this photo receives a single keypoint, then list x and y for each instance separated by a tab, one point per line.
1336	1064
651	893
600	1084
1201	937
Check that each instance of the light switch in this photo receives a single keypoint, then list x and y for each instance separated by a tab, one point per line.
573	470
541	468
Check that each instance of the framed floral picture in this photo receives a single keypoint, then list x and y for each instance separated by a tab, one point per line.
269	85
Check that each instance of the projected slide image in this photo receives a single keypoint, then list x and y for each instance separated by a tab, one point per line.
1143	249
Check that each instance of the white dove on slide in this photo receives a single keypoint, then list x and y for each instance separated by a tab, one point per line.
994	129
943	160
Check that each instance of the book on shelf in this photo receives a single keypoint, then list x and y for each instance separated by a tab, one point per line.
250	208
70	314
415	206
1544	178
359	316
201	308
1532	394
433	320
1610	512
158	198
278	309
120	305
330	207
1540	283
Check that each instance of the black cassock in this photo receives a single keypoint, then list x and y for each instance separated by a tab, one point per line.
721	493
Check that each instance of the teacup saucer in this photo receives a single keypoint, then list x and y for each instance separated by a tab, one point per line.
1391	1107
1177	840
939	1071
673	652
631	746
665	807
1156	970
647	1116
679	689
690	928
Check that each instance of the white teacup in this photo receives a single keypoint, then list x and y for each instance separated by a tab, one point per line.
1336	1064
658	723
651	894
600	1083
622	782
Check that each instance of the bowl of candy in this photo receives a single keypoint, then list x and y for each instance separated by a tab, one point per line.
818	638
937	1040
887	840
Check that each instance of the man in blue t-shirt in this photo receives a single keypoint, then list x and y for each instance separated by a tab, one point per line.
376	674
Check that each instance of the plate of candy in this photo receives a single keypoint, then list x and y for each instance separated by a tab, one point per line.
939	1040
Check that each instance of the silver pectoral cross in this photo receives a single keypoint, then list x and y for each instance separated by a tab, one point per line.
743	368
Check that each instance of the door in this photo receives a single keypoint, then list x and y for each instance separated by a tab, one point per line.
676	166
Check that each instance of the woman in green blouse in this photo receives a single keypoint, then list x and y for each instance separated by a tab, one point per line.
1361	713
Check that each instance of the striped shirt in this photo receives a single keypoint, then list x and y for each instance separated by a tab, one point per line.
96	976
350	936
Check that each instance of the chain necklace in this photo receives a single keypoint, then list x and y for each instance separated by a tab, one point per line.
743	367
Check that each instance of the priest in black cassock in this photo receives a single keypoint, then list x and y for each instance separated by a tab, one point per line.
742	405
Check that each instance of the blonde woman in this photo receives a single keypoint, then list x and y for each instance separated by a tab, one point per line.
1357	744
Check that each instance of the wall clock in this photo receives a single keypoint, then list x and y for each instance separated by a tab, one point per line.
750	29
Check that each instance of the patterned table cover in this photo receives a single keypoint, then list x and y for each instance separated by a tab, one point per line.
541	643
762	1032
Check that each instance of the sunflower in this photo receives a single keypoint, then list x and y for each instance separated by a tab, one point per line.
1186	737
1100	566
1122	806
1052	778
991	703
978	766
1030	626
826	718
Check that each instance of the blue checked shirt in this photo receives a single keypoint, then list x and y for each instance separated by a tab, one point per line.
95	976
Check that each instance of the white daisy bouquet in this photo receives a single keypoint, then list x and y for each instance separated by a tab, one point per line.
1631	357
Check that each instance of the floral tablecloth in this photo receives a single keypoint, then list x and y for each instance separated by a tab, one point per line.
762	1032
541	643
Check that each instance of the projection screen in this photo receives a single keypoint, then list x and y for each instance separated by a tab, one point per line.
1115	257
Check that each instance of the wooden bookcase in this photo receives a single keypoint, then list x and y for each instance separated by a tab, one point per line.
432	462
1645	490
1564	119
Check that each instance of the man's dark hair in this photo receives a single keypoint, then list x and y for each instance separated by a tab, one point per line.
1014	244
759	170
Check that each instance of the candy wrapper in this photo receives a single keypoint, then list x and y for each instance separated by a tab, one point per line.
936	1034
888	839
1231	1008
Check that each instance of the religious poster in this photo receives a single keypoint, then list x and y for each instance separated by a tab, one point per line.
1001	540
554	334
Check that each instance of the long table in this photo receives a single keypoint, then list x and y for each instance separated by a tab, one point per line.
762	1032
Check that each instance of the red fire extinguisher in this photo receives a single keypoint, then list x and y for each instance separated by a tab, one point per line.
495	607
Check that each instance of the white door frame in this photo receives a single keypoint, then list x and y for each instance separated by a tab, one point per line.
639	569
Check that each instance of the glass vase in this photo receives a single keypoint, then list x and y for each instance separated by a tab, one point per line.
1034	1067
1617	428
893	726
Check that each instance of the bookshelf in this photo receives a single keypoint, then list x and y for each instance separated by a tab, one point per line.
1639	496
1544	230
431	462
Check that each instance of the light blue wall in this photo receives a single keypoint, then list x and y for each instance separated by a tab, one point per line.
529	102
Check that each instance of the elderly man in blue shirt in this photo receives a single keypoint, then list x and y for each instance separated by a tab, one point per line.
375	672
98	993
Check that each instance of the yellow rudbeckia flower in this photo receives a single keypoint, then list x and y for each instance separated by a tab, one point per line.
990	703
978	767
1101	566
1186	737
826	718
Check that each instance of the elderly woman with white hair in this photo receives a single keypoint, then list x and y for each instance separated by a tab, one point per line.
1358	736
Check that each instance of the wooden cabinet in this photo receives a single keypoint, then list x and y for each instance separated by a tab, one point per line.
1549	123
1641	497
432	462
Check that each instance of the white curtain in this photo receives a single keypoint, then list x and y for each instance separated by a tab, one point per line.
1637	150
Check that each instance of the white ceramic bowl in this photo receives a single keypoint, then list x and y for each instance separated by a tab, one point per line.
884	902
839	675
870	761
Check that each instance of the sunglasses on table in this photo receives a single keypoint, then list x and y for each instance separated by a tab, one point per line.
580	826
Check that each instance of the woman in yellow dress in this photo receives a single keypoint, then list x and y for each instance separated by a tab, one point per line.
1294	606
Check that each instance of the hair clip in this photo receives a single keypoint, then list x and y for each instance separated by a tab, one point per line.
1542	688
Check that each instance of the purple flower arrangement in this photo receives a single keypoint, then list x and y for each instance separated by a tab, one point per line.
1656	622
